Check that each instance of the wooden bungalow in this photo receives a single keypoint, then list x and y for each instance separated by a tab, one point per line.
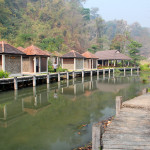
55	57
111	58
72	61
10	59
35	61
90	61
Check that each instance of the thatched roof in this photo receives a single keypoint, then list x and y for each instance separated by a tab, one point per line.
111	55
35	51
89	55
72	54
6	48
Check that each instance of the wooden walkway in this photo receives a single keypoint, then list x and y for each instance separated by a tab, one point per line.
130	129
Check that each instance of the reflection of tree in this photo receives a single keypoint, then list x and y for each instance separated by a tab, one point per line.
60	121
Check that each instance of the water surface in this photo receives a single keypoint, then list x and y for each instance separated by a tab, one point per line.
50	117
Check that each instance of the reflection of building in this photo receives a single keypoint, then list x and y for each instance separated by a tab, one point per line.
34	104
10	112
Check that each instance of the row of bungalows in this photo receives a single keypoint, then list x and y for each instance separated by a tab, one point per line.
76	61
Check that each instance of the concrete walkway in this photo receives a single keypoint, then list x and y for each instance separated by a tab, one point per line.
130	129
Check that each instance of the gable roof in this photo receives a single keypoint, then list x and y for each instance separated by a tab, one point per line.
111	55
72	54
33	51
6	48
20	48
87	54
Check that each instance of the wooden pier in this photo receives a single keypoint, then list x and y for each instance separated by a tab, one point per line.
16	81
131	127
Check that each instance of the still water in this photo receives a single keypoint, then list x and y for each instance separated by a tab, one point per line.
50	117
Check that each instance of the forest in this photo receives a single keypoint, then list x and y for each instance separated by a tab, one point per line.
63	25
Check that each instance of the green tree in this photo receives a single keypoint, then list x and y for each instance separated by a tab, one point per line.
133	49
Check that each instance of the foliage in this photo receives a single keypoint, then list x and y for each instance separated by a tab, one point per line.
145	67
59	69
117	71
133	49
4	74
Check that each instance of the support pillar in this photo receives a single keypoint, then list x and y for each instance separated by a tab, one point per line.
73	74
21	65
15	83
108	63
96	136
48	79
91	73
67	74
92	63
118	104
74	64
62	63
47	64
124	71
82	73
114	63
131	71
109	72
39	64
103	71
35	65
128	63
98	72
3	63
58	76
34	81
102	63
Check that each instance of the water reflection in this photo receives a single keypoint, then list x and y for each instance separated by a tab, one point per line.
50	117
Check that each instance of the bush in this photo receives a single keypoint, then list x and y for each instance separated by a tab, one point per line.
145	67
59	69
4	74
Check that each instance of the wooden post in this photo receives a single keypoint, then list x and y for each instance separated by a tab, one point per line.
103	71
73	74
131	71
35	65
3	62
67	74
96	136
15	83
34	81
39	64
118	104
82	73
109	72
58	76
124	71
21	65
74	64
91	73
48	80
98	72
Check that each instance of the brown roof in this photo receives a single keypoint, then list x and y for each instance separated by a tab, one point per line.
72	54
6	48
89	55
33	50
20	48
111	55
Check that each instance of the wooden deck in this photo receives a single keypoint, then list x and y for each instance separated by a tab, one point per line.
130	129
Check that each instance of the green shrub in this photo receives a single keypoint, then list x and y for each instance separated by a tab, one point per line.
4	74
59	69
50	69
145	67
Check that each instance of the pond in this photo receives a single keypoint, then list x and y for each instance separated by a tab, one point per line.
59	116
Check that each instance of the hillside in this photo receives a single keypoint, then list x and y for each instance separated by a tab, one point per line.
61	25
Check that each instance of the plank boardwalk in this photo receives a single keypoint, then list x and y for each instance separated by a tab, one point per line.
131	128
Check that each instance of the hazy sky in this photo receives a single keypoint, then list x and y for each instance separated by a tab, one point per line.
129	10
